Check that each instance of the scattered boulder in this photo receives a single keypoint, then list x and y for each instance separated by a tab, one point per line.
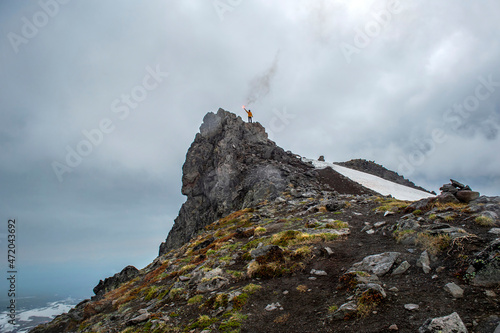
212	284
378	264
139	319
318	272
335	205
375	289
412	307
447	324
424	262
423	205
454	290
273	306
447	197
345	310
402	268
267	253
351	280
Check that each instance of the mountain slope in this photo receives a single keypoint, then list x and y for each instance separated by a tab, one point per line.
268	243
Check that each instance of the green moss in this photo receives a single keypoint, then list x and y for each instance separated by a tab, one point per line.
332	308
202	322
195	299
221	301
252	288
240	301
233	324
151	293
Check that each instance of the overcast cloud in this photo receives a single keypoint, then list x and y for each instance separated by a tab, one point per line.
414	86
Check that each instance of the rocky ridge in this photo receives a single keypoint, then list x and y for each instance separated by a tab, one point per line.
380	171
304	252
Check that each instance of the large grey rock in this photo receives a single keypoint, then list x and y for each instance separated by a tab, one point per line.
467	195
378	264
229	166
447	324
447	197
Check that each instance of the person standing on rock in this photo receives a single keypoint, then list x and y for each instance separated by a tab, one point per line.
249	113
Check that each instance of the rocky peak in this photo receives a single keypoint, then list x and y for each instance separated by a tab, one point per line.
231	165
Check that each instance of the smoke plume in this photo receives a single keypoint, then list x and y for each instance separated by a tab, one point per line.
260	86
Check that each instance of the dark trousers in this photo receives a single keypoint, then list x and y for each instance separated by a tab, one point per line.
249	119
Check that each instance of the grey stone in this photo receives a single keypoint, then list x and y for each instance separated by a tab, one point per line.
403	267
454	290
377	288
345	309
459	185
335	205
492	215
318	272
495	231
273	306
212	284
139	318
467	196
424	262
422	204
411	307
267	250
447	324
378	264
329	251
447	197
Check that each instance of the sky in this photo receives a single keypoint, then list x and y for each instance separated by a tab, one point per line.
100	101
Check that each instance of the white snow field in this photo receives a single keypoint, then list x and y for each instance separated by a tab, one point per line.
380	185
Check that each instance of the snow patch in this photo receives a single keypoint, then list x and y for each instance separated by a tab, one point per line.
377	184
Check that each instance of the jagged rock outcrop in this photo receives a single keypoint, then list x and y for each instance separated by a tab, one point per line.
231	165
110	283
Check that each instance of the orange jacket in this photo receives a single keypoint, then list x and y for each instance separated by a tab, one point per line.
249	113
